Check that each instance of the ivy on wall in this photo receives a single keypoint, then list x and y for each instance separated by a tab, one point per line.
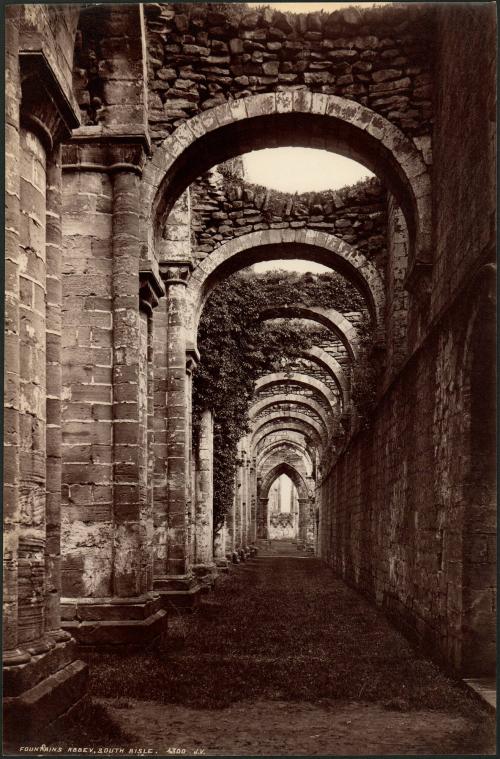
236	348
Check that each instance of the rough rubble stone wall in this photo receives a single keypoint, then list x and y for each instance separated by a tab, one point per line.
200	58
108	73
226	208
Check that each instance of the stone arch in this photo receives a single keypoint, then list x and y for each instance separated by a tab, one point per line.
331	365
292	439
283	452
310	383
279	456
290	425
283	444
293	414
293	399
290	471
290	118
327	317
265	245
303	493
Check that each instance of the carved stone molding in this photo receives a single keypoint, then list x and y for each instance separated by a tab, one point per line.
106	153
150	287
192	359
175	273
44	106
418	281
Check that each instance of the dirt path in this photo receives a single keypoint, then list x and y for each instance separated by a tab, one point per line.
285	659
280	728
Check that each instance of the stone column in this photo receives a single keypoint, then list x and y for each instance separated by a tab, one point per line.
220	548
11	505
174	577
53	400
303	519
192	358
132	554
238	504
229	525
253	500
263	518
108	520
204	565
244	501
42	678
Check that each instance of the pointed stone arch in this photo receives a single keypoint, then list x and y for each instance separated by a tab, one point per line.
291	472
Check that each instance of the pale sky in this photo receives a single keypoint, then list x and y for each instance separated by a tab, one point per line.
311	7
301	169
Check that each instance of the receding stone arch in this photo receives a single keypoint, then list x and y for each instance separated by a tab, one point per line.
290	118
303	492
293	439
284	444
331	365
293	399
276	457
311	437
310	383
314	428
270	244
327	317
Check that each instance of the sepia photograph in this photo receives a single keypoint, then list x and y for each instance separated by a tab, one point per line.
249	426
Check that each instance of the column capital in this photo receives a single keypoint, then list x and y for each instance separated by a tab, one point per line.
176	273
45	108
150	286
192	359
100	148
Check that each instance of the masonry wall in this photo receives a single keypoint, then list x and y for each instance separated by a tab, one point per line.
227	207
200	58
402	509
464	171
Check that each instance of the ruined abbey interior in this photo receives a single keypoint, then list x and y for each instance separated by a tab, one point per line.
126	208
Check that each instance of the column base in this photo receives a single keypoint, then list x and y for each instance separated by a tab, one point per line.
40	694
206	575
180	591
222	565
114	622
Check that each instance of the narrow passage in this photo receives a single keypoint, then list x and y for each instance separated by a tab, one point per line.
283	658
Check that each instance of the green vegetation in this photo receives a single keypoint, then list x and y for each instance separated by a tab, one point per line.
236	348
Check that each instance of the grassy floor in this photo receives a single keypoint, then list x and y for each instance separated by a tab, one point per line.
282	629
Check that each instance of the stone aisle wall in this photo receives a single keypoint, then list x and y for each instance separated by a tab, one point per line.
406	516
